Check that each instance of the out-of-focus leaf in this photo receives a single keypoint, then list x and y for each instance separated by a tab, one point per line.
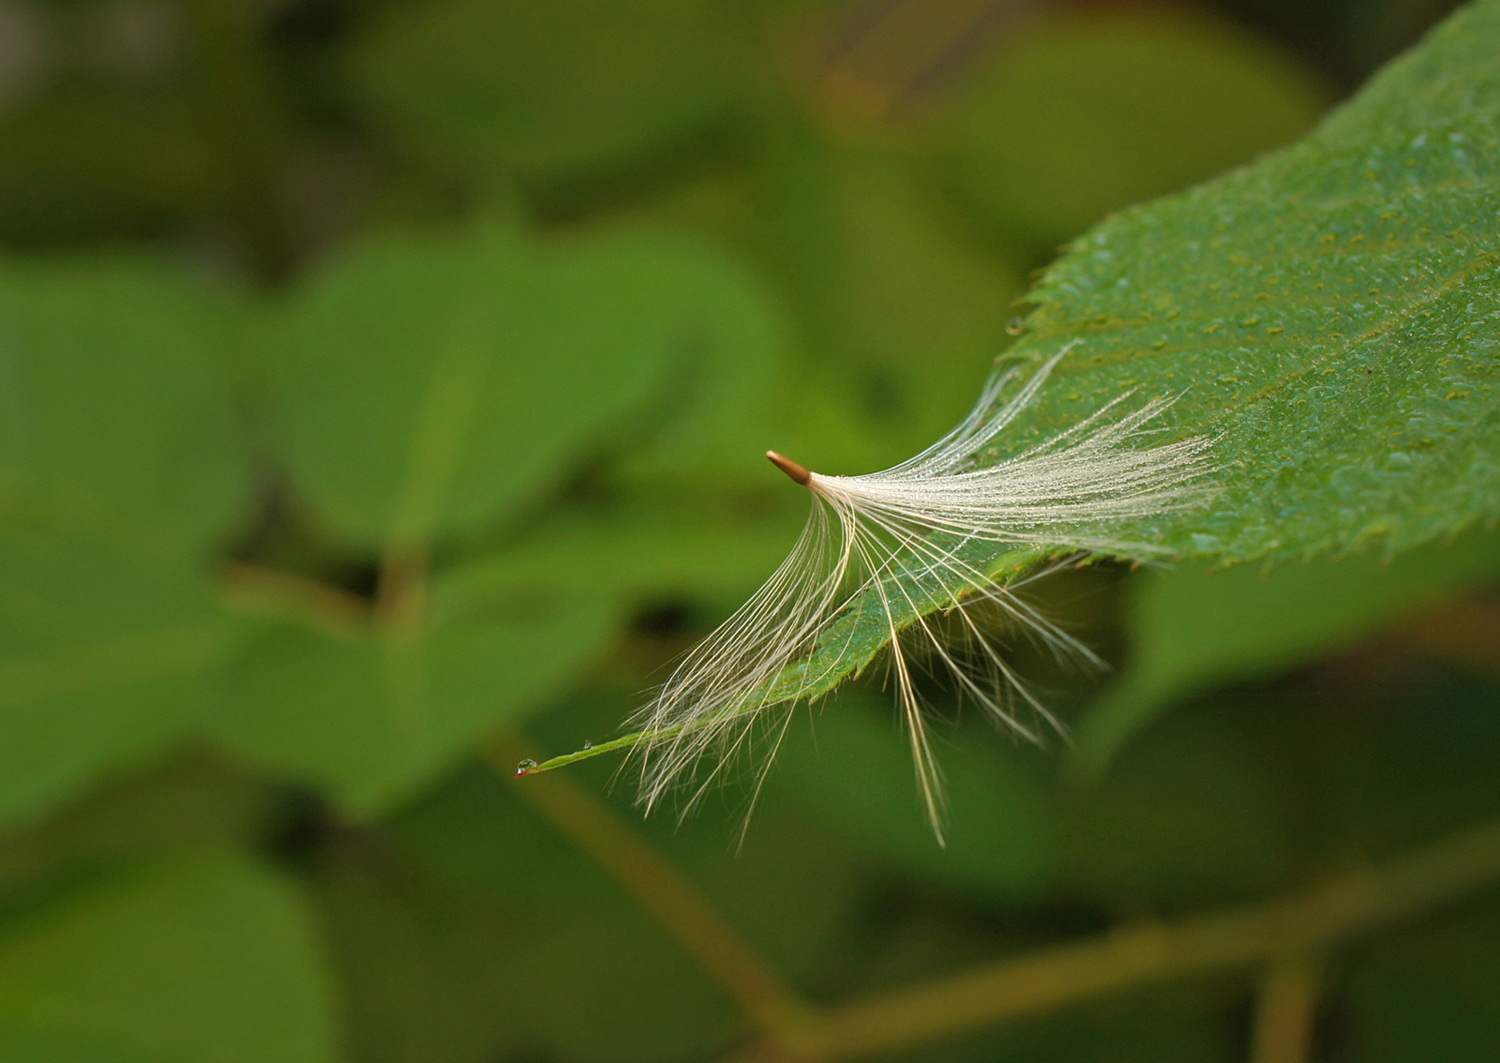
639	557
103	658
120	464
793	882
496	936
858	773
80	162
561	86
1434	994
428	387
213	959
903	316
1198	815
375	716
185	803
1331	315
114	409
1091	110
711	420
1395	761
1192	631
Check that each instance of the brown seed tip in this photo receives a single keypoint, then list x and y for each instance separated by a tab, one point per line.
797	472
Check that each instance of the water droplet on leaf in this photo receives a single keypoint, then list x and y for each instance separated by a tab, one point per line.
525	766
1015	326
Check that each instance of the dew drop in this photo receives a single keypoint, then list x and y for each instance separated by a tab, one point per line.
525	766
588	745
1015	326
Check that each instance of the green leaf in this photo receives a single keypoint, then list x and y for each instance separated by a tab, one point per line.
636	557
1093	109
708	426
1396	760
1331	315
858	773
904	312
377	715
1200	814
1331	310
103	658
213	959
83	161
1262	623
121	465
431	387
497	937
114	409
1430	994
560	86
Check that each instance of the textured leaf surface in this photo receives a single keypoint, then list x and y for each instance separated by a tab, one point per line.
480	380
1332	313
211	960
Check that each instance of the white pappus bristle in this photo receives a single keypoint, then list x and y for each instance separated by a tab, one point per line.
889	533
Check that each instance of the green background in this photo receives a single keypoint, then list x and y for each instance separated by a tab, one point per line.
383	385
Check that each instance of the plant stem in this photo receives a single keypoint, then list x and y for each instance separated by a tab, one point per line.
782	1018
1129	958
250	588
401	592
1286	1011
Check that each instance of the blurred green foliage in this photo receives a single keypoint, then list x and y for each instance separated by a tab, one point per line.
382	378
1096	112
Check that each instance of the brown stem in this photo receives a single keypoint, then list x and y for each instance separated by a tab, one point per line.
255	589
401	591
1306	923
1286	1011
781	1017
